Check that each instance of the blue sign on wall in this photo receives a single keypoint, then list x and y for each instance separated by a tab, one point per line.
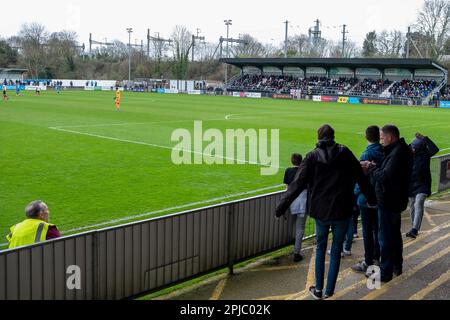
21	87
445	104
353	100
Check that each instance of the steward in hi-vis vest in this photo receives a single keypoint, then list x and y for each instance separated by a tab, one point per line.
34	229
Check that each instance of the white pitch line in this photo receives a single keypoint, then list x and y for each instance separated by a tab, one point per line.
160	147
143	215
127	124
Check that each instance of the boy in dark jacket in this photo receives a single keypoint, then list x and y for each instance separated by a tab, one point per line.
369	216
423	150
330	173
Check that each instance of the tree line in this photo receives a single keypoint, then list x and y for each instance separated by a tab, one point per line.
58	54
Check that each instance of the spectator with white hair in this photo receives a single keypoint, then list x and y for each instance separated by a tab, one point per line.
35	228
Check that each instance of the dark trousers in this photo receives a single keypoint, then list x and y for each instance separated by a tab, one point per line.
391	243
369	219
338	229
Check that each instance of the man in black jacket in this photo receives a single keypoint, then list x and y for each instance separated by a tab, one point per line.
392	179
420	189
330	173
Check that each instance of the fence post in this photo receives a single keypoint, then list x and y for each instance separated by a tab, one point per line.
231	239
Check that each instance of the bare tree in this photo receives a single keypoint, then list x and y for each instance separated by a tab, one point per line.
61	51
433	22
182	45
252	49
33	38
390	43
207	51
335	50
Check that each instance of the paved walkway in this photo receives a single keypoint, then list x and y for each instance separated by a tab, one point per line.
426	271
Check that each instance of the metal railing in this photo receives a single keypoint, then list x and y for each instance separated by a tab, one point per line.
440	173
138	258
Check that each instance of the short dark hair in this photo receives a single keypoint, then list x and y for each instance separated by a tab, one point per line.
325	132
34	209
391	130
373	134
296	159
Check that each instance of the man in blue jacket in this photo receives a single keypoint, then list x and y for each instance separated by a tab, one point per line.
369	216
420	189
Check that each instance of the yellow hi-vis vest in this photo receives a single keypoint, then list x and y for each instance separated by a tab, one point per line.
28	232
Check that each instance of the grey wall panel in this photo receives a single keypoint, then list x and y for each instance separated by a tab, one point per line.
70	260
216	238
128	265
209	216
223	227
197	242
145	253
110	265
119	262
25	268
176	248
81	261
37	273
183	246
60	272
102	272
168	246
12	279
137	258
89	274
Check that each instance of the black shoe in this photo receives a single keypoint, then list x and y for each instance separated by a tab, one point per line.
398	272
298	258
315	294
412	234
385	280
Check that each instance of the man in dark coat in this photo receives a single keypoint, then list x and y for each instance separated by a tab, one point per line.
392	179
420	189
330	174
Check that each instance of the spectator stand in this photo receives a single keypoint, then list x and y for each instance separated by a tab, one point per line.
404	81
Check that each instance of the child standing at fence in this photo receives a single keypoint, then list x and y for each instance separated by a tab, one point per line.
298	208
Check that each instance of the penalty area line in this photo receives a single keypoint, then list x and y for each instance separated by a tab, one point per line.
160	147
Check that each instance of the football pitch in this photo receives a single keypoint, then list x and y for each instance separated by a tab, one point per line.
96	167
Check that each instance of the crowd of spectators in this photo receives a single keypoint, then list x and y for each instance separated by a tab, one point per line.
372	86
413	88
11	82
283	84
443	95
274	83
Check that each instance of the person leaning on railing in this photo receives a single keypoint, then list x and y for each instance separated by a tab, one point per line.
34	229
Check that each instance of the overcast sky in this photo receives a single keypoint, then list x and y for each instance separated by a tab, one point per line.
262	19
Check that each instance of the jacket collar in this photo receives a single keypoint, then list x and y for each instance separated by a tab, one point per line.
394	146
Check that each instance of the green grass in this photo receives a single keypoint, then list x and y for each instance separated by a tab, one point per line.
88	180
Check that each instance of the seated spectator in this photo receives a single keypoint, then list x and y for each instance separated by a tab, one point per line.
371	86
413	88
35	228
